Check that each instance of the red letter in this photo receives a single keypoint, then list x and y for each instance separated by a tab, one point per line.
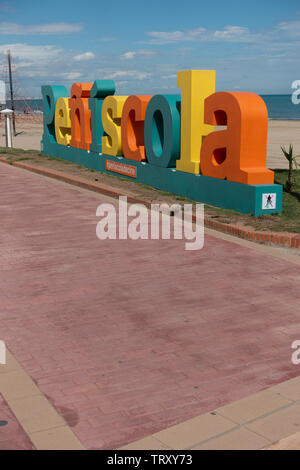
80	116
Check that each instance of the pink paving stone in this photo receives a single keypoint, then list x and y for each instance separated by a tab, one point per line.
12	435
128	337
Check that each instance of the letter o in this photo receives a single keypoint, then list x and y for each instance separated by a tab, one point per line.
162	130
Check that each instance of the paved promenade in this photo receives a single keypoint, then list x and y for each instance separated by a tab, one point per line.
126	338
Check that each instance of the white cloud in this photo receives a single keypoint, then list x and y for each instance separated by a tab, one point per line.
233	33
227	34
71	75
25	64
84	56
140	54
33	53
163	37
290	28
128	55
51	28
276	37
268	57
169	77
135	74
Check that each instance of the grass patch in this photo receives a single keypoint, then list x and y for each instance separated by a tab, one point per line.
287	221
145	186
13	151
57	159
23	158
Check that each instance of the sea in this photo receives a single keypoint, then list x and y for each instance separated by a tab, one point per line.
279	107
282	107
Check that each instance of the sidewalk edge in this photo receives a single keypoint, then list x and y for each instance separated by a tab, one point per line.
268	238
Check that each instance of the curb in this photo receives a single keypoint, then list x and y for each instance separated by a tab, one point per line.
274	238
41	422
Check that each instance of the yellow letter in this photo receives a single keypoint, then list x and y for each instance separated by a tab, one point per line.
111	120
62	122
196	85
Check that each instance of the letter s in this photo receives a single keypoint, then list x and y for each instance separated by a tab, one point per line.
111	119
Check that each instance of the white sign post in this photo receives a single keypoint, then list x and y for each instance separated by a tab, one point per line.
8	137
2	93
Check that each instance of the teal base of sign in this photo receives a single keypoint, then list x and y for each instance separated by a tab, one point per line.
247	199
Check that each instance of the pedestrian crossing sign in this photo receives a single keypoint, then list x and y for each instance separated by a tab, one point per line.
268	201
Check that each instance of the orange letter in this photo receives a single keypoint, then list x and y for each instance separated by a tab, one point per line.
239	152
80	115
132	126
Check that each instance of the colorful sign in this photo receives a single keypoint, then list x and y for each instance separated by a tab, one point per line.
168	141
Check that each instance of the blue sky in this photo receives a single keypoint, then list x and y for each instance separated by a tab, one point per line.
253	46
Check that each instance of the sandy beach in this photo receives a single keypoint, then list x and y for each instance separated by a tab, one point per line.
282	133
29	133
